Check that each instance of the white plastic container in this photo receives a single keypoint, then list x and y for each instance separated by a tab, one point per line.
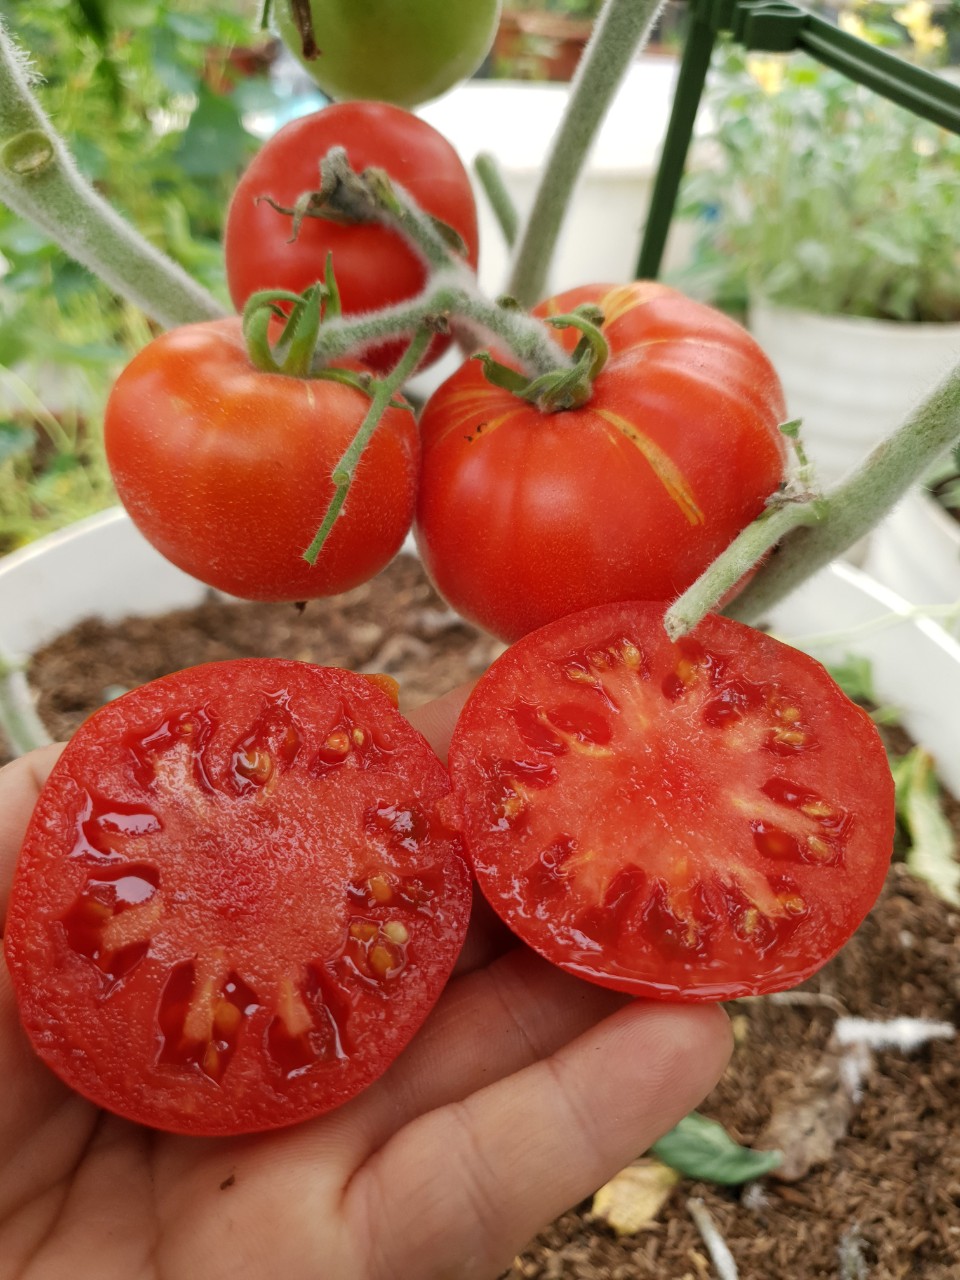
851	380
916	551
102	566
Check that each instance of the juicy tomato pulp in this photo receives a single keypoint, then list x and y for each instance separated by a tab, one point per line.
235	903
699	820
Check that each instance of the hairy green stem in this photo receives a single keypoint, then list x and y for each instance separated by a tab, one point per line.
739	558
458	303
21	725
621	30
343	472
851	508
40	182
495	189
814	530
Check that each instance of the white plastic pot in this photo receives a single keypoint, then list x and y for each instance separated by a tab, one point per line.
102	566
516	122
916	551
851	380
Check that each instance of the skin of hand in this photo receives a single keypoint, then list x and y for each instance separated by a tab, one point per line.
522	1093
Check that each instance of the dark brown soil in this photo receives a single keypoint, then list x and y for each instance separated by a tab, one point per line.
884	1206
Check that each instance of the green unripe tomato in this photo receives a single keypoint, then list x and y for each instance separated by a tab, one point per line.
399	51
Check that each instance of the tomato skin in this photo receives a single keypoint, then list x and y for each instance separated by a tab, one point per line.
195	919
374	266
226	469
401	53
523	517
694	821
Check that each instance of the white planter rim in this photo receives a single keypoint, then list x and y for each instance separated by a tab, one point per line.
867	618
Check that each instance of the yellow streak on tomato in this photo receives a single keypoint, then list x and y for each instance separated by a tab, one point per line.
483	428
626	298
575	743
663	466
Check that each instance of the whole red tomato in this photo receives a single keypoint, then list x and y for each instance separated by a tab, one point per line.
374	266
525	516
227	469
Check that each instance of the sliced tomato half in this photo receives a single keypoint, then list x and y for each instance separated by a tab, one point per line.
235	903
699	820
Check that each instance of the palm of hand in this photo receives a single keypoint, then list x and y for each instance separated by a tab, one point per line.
524	1090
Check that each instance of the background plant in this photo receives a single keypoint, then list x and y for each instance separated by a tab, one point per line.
152	99
818	194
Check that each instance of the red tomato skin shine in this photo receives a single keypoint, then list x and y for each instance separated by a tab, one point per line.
226	469
213	873
523	517
696	821
374	266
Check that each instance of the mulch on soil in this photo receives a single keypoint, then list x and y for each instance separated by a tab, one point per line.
885	1206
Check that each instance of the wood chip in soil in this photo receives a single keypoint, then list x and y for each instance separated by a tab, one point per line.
886	1205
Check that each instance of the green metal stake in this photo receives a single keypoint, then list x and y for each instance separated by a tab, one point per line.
777	26
694	66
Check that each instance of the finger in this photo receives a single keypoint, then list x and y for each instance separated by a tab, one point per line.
487	938
20	784
463	1188
436	719
486	1026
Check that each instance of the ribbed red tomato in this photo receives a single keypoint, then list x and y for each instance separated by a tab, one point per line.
227	469
525	516
235	902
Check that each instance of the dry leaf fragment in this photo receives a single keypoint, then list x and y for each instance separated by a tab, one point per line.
631	1200
812	1117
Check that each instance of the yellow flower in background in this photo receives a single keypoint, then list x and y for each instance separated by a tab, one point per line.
915	15
854	25
768	73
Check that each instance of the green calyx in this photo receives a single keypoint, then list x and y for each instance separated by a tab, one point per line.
349	198
293	352
560	389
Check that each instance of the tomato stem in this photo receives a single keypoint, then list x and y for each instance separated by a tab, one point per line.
490	176
853	506
816	528
459	305
621	30
40	182
22	726
792	509
303	20
559	389
382	397
451	296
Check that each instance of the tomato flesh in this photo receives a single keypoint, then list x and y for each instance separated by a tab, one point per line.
235	902
699	820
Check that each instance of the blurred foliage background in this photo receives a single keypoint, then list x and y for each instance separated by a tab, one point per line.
152	97
162	103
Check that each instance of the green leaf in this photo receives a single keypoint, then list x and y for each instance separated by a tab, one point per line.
14	440
854	675
701	1148
933	853
215	141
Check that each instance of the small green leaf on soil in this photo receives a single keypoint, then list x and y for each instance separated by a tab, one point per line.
701	1148
933	852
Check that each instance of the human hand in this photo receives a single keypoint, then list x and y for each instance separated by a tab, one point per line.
523	1092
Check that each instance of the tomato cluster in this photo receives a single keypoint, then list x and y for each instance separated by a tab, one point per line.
245	885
